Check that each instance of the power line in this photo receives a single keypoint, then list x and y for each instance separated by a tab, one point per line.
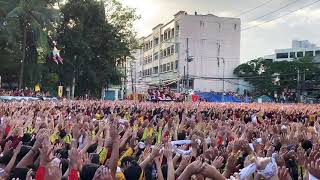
248	10
282	7
303	7
252	9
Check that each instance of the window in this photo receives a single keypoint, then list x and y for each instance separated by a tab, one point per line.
292	55
155	70
172	65
161	37
282	55
156	41
165	53
168	67
161	68
172	49
177	64
165	36
168	51
169	34
309	53
161	54
164	68
317	52
172	32
299	54
177	30
177	48
235	27
155	56
140	73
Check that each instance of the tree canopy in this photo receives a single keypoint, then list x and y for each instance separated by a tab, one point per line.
94	36
262	74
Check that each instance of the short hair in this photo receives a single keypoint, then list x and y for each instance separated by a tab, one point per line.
88	171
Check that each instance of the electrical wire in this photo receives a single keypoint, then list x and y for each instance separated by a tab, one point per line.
303	7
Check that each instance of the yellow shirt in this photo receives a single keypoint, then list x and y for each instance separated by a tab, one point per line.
103	152
67	139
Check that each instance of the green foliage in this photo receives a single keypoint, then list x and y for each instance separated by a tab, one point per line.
29	25
92	46
94	36
261	73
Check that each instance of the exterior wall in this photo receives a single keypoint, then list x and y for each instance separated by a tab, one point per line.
298	49
214	42
206	34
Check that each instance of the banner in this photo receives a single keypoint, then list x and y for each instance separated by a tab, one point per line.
37	88
60	91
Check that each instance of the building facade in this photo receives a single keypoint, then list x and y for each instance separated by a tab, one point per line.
298	49
211	42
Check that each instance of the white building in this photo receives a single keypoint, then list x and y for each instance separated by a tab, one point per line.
213	43
299	49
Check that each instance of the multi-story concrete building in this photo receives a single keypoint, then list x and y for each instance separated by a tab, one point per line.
298	49
212	42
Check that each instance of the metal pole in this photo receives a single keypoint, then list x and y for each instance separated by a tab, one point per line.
187	59
223	79
298	86
131	74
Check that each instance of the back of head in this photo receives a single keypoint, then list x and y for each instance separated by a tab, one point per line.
133	172
88	171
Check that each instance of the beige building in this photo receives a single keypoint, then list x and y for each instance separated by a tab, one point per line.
212	42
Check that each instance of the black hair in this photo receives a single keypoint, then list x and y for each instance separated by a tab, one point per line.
133	172
20	173
26	138
92	148
95	158
65	165
24	151
182	135
306	144
6	157
88	171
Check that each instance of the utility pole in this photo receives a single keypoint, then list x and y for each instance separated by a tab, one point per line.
223	61
131	74
187	59
223	79
298	86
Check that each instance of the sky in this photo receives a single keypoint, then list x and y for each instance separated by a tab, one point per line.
257	42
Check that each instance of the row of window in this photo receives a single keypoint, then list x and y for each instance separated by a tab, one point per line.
297	54
163	68
147	45
168	34
147	59
167	52
163	53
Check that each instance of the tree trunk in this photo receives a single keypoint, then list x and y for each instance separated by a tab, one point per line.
73	87
24	44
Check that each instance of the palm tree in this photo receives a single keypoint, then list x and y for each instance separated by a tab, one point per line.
36	16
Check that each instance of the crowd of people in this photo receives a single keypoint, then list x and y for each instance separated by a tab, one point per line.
103	140
21	93
164	94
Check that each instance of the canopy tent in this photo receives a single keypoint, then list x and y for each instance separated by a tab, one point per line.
213	97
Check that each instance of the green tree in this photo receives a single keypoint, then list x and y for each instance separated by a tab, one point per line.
92	46
34	20
261	73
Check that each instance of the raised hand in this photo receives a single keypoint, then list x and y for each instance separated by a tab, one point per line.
75	158
46	155
283	173
102	173
217	162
